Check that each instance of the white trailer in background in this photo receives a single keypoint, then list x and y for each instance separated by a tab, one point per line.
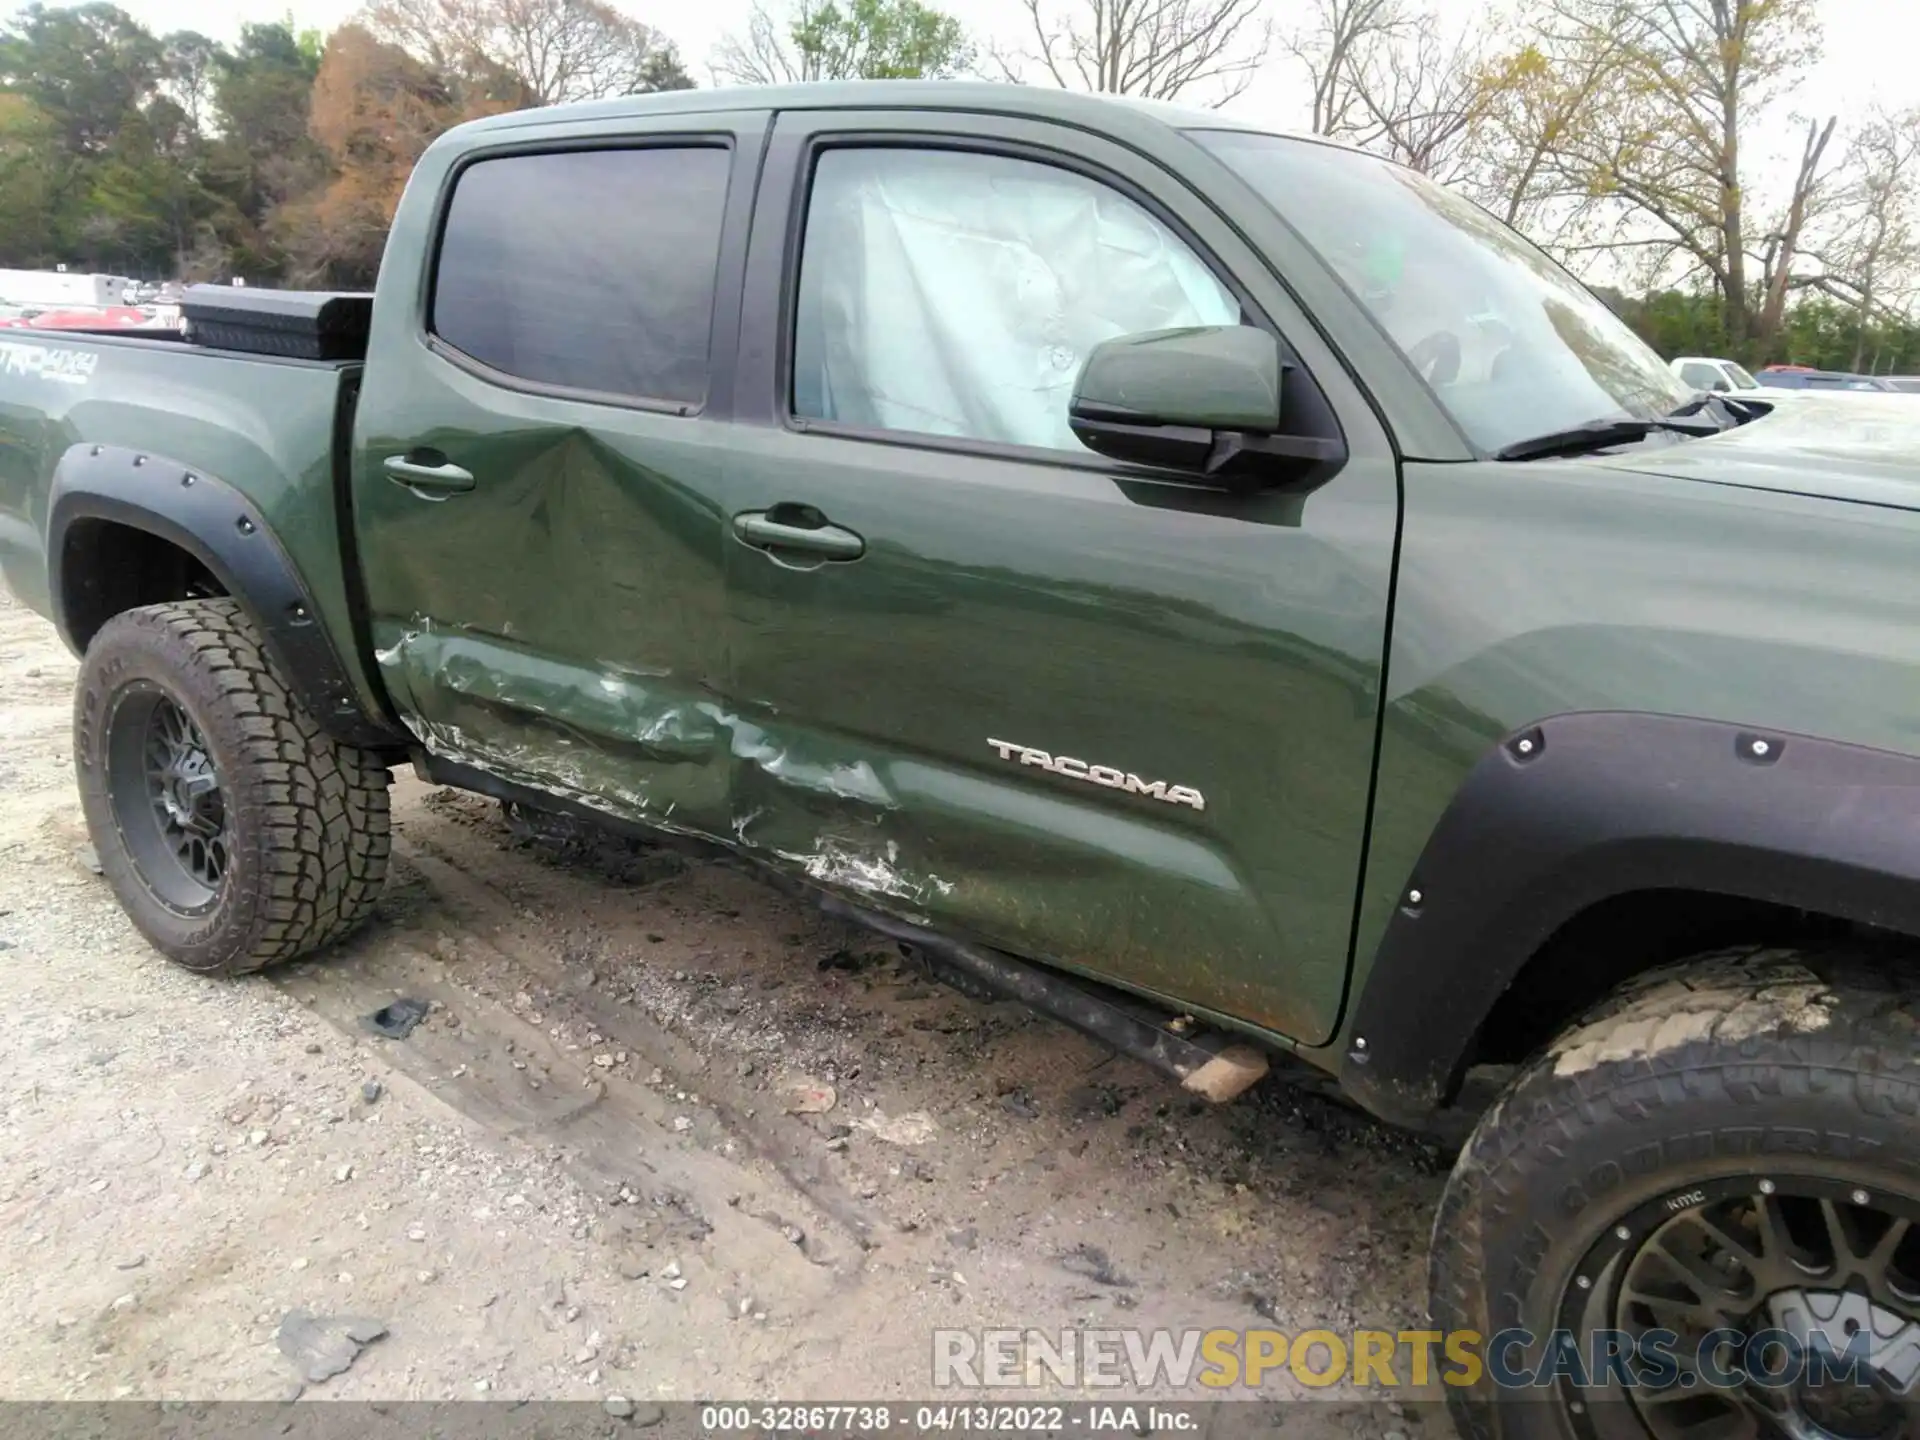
51	289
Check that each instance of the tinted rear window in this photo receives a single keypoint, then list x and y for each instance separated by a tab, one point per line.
589	269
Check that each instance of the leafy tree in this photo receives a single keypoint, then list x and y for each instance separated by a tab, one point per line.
262	89
88	69
264	156
30	185
189	63
121	151
845	40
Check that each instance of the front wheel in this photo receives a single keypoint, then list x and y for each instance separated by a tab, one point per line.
1698	1214
233	829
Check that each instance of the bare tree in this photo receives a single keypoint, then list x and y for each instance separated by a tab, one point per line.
762	56
553	50
1783	242
1157	49
1391	78
1336	46
1871	248
1425	95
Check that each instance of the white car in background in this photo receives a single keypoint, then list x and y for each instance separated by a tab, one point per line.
1723	377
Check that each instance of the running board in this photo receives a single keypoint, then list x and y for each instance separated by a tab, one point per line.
1209	1064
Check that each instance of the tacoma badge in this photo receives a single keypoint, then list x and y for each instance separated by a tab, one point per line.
1100	775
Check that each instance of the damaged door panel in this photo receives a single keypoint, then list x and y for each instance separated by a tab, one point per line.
1122	727
557	621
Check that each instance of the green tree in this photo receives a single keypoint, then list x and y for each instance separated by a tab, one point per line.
265	156
189	62
1817	330
845	40
88	69
30	168
120	165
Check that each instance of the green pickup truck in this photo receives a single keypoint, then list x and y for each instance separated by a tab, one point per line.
1218	587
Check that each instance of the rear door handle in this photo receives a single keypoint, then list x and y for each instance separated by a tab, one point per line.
428	478
761	530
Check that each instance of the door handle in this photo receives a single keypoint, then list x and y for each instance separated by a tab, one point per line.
428	479
761	530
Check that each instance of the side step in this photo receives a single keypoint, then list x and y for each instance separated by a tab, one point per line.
1209	1064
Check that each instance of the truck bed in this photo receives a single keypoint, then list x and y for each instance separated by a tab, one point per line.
275	429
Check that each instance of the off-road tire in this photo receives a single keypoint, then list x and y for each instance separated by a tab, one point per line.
1749	1062
308	815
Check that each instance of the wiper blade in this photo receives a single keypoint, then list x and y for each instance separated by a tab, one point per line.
1598	434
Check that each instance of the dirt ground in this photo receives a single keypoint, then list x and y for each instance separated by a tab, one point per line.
579	1175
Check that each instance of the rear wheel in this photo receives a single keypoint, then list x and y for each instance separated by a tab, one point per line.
1720	1166
233	829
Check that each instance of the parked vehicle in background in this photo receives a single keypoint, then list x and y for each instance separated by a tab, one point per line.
1905	384
1704	372
110	317
1782	378
53	289
1219	587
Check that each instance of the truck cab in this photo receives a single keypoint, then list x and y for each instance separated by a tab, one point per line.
795	534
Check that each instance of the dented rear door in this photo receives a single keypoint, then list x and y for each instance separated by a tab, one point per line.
995	683
539	453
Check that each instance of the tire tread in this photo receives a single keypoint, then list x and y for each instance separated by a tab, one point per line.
1715	1043
319	806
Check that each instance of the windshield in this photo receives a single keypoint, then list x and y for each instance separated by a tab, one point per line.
1741	379
1512	345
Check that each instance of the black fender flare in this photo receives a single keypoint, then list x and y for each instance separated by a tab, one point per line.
213	522
1582	807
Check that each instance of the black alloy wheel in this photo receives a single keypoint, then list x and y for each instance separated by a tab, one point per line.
1695	1214
1751	1278
167	800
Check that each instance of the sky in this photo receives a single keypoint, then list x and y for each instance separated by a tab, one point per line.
1870	53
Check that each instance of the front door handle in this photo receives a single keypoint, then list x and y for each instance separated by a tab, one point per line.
797	527
428	477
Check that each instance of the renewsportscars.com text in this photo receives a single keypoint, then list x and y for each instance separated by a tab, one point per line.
1510	1359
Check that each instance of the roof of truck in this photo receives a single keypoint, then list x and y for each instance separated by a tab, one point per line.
1042	103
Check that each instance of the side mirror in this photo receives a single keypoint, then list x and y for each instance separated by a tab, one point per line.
1204	399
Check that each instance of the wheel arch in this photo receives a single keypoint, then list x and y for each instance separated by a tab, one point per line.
126	528
1594	846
